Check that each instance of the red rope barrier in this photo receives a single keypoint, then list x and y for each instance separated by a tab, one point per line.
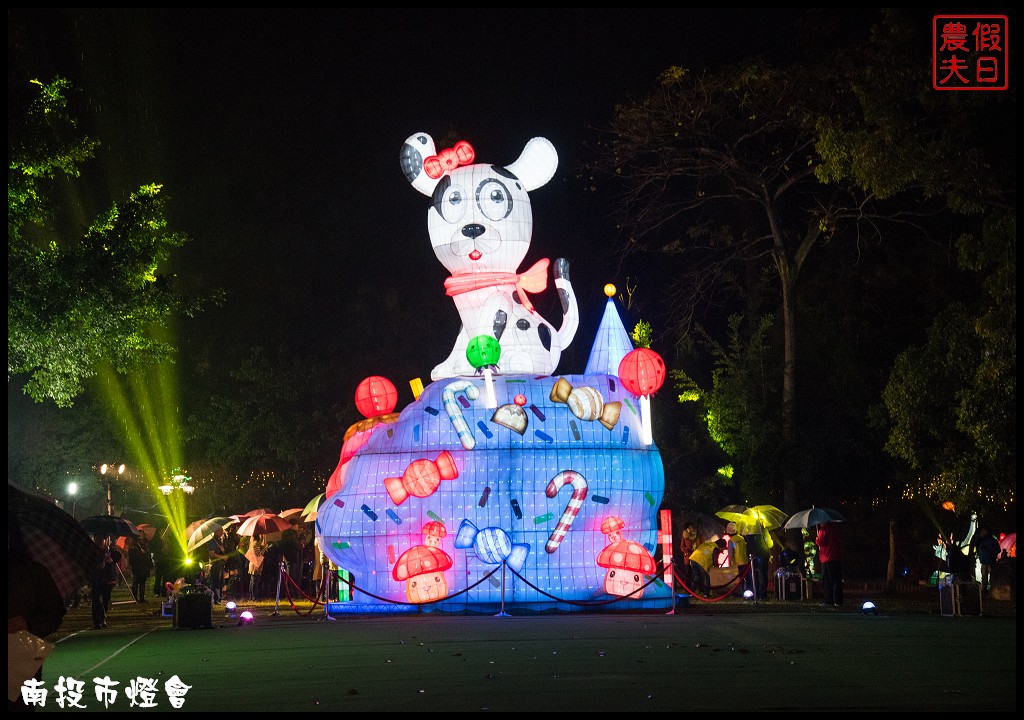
733	582
318	600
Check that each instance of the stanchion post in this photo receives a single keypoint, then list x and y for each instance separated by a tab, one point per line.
277	601
502	613
672	589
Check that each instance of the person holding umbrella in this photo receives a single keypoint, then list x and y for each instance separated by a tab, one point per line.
687	544
161	564
141	563
255	555
830	553
987	549
701	560
102	581
217	555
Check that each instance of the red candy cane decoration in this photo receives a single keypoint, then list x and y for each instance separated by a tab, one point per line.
579	494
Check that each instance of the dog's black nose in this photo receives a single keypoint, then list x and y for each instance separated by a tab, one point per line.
473	230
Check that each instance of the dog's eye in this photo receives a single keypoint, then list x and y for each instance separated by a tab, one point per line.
494	200
453	204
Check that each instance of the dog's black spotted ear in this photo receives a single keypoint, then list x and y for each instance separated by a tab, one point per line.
417	148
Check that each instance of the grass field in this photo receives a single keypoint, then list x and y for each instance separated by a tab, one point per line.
728	656
916	600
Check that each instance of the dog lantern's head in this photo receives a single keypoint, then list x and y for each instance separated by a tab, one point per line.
480	218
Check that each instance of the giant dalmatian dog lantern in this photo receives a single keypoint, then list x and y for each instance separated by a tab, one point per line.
481	225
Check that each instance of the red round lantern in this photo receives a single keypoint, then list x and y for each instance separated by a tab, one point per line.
642	371
375	396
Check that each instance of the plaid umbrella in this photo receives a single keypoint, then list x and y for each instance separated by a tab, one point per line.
53	538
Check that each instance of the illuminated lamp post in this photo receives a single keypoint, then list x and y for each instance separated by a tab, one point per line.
73	492
108	472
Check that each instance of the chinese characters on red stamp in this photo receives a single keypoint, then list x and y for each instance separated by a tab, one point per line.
969	52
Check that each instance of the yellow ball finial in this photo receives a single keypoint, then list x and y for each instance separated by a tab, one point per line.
609	290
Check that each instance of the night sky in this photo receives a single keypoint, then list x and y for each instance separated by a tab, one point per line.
276	136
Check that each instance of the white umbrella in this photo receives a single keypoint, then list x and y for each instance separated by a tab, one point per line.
813	516
204	533
292	515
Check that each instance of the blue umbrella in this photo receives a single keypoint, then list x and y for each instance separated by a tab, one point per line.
109	526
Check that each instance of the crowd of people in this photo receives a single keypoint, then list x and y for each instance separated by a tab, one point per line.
247	567
758	554
750	554
230	565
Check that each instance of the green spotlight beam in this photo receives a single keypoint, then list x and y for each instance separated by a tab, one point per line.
145	407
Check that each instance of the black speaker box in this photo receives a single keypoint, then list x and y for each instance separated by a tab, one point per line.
193	608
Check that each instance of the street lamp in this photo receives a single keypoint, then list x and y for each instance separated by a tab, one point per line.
73	492
103	471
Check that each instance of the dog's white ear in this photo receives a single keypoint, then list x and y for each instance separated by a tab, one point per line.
416	149
536	165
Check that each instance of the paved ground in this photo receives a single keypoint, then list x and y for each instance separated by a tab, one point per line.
730	656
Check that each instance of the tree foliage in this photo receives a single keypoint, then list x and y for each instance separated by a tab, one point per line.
49	447
738	408
761	188
952	399
275	427
76	302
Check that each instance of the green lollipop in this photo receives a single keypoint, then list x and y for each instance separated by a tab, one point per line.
483	351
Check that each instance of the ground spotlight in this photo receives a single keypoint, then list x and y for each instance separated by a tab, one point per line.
246	618
868	608
748	594
230	607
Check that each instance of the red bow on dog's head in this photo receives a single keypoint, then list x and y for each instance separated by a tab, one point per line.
447	160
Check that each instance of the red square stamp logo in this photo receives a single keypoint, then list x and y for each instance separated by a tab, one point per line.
969	52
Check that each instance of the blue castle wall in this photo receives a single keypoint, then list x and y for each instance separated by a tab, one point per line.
364	531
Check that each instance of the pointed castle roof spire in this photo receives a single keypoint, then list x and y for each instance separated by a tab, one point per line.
612	342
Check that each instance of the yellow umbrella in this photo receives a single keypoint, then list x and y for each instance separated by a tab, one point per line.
753	518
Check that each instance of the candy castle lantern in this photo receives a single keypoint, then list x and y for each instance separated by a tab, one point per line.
422	567
528	476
